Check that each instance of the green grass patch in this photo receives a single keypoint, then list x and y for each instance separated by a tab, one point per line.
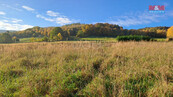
111	39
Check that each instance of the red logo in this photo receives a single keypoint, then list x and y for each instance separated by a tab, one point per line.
157	8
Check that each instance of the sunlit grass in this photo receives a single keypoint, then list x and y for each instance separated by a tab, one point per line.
99	39
120	69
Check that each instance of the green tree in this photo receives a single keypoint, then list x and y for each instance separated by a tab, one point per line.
54	33
5	38
80	33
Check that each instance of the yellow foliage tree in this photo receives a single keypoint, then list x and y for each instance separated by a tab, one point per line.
60	36
170	32
14	39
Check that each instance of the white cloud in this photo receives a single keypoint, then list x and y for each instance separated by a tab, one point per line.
63	20
5	21
11	7
137	19
13	24
9	26
45	18
11	20
59	19
51	13
2	13
28	8
16	20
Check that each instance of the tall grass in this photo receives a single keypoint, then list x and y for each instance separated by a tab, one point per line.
87	69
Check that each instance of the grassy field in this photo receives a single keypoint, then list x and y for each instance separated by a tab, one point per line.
103	39
160	39
109	39
25	40
120	69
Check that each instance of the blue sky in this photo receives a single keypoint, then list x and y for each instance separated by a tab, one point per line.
131	14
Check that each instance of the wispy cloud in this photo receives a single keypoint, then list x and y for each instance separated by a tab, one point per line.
2	13
45	18
52	16
56	17
63	20
16	20
51	13
28	8
13	24
8	26
11	7
58	20
136	19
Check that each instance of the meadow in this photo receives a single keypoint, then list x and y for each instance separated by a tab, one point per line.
66	69
107	39
98	39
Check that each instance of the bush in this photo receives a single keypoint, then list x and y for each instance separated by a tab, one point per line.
46	39
133	38
5	38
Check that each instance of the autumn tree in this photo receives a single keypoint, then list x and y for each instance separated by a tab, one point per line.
14	39
60	37
170	33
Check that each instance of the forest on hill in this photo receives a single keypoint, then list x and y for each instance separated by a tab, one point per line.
77	30
86	30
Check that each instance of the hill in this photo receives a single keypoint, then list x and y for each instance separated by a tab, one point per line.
92	30
161	31
2	31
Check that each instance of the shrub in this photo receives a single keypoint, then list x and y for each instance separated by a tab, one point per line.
46	39
133	38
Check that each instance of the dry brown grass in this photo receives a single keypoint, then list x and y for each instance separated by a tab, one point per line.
87	69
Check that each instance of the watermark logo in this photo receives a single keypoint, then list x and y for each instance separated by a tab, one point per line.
157	9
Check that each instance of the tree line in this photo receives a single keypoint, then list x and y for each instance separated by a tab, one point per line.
86	30
6	38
